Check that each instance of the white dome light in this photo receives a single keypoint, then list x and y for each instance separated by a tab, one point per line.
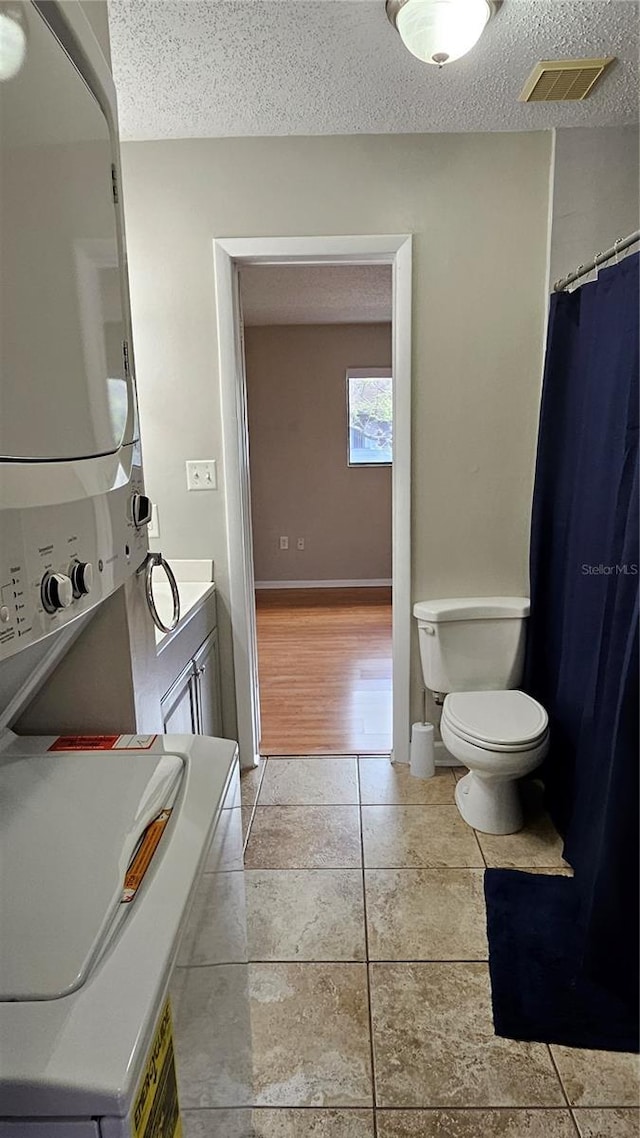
13	40
439	31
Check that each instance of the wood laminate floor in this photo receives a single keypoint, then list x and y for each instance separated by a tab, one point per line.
325	669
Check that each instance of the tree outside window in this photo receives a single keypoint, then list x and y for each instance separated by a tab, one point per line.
370	412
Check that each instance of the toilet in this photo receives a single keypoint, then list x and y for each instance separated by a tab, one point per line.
472	654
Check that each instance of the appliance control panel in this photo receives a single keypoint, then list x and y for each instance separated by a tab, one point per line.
59	561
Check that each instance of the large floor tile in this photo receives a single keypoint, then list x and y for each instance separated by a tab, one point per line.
383	782
266	1123
212	1031
310	1028
216	931
475	1124
304	837
305	914
608	1123
598	1078
434	1043
426	914
538	844
413	837
217	1124
309	782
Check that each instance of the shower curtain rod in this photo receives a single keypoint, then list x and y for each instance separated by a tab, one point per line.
599	259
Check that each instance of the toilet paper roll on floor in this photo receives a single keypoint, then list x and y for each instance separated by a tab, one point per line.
422	757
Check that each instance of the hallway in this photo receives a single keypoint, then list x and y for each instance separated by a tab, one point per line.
325	671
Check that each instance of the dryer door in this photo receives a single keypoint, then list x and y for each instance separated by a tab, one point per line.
64	388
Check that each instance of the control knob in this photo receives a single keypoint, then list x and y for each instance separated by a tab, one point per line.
56	591
81	574
140	510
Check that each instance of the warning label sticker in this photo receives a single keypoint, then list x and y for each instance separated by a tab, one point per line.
142	857
103	743
156	1113
85	743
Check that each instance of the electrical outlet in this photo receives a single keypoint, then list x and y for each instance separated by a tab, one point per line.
284	542
300	543
154	525
201	474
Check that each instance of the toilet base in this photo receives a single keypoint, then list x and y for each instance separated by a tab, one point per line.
491	805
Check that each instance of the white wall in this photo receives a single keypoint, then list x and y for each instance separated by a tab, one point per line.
477	206
595	197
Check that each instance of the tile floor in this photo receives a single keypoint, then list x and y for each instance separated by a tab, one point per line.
367	981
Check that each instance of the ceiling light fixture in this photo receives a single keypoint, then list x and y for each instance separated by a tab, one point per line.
13	39
440	31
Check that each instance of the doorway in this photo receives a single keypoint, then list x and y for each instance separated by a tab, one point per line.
230	257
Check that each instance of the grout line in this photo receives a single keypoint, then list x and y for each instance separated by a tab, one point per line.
431	1109
575	1122
562	1086
484	860
325	960
366	953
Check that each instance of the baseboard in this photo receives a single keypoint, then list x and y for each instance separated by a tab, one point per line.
369	583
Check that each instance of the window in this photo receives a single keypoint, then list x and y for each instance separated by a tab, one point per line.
370	416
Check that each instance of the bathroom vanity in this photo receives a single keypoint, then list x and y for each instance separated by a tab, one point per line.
188	668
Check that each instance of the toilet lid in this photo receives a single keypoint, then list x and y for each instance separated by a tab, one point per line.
503	719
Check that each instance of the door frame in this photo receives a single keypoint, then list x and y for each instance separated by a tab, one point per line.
229	255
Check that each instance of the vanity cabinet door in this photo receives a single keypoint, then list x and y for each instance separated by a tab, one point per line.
208	679
180	705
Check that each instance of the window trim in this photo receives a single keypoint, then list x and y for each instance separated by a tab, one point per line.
364	373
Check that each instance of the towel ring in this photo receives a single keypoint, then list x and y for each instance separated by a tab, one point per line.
147	567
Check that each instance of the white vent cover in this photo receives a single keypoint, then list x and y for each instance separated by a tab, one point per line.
568	80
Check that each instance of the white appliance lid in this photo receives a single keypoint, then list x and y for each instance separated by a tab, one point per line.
69	827
504	718
472	608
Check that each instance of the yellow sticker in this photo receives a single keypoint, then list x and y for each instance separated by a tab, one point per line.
156	1113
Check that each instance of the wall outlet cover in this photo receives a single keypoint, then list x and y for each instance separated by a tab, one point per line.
284	543
300	543
201	474
154	524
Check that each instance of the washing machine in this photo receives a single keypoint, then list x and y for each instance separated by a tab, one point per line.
102	843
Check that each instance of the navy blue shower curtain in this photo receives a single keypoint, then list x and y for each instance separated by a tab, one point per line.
582	653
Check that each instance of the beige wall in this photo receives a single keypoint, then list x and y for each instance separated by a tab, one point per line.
477	206
301	484
595	196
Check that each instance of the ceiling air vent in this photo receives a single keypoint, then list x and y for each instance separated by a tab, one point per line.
553	80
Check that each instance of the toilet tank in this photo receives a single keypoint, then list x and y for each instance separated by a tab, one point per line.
472	643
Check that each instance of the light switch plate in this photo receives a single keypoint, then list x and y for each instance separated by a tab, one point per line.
201	474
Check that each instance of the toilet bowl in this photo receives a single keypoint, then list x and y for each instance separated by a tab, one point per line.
500	736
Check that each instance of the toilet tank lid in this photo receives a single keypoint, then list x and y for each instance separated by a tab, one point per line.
471	608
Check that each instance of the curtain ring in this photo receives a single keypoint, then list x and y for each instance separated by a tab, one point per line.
616	252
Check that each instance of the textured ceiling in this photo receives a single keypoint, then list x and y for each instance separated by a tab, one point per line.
216	68
310	294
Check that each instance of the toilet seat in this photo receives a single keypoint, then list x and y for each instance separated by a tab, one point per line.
501	721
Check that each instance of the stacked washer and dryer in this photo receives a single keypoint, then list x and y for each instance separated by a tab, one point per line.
102	838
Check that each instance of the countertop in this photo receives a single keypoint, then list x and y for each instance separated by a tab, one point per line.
192	596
